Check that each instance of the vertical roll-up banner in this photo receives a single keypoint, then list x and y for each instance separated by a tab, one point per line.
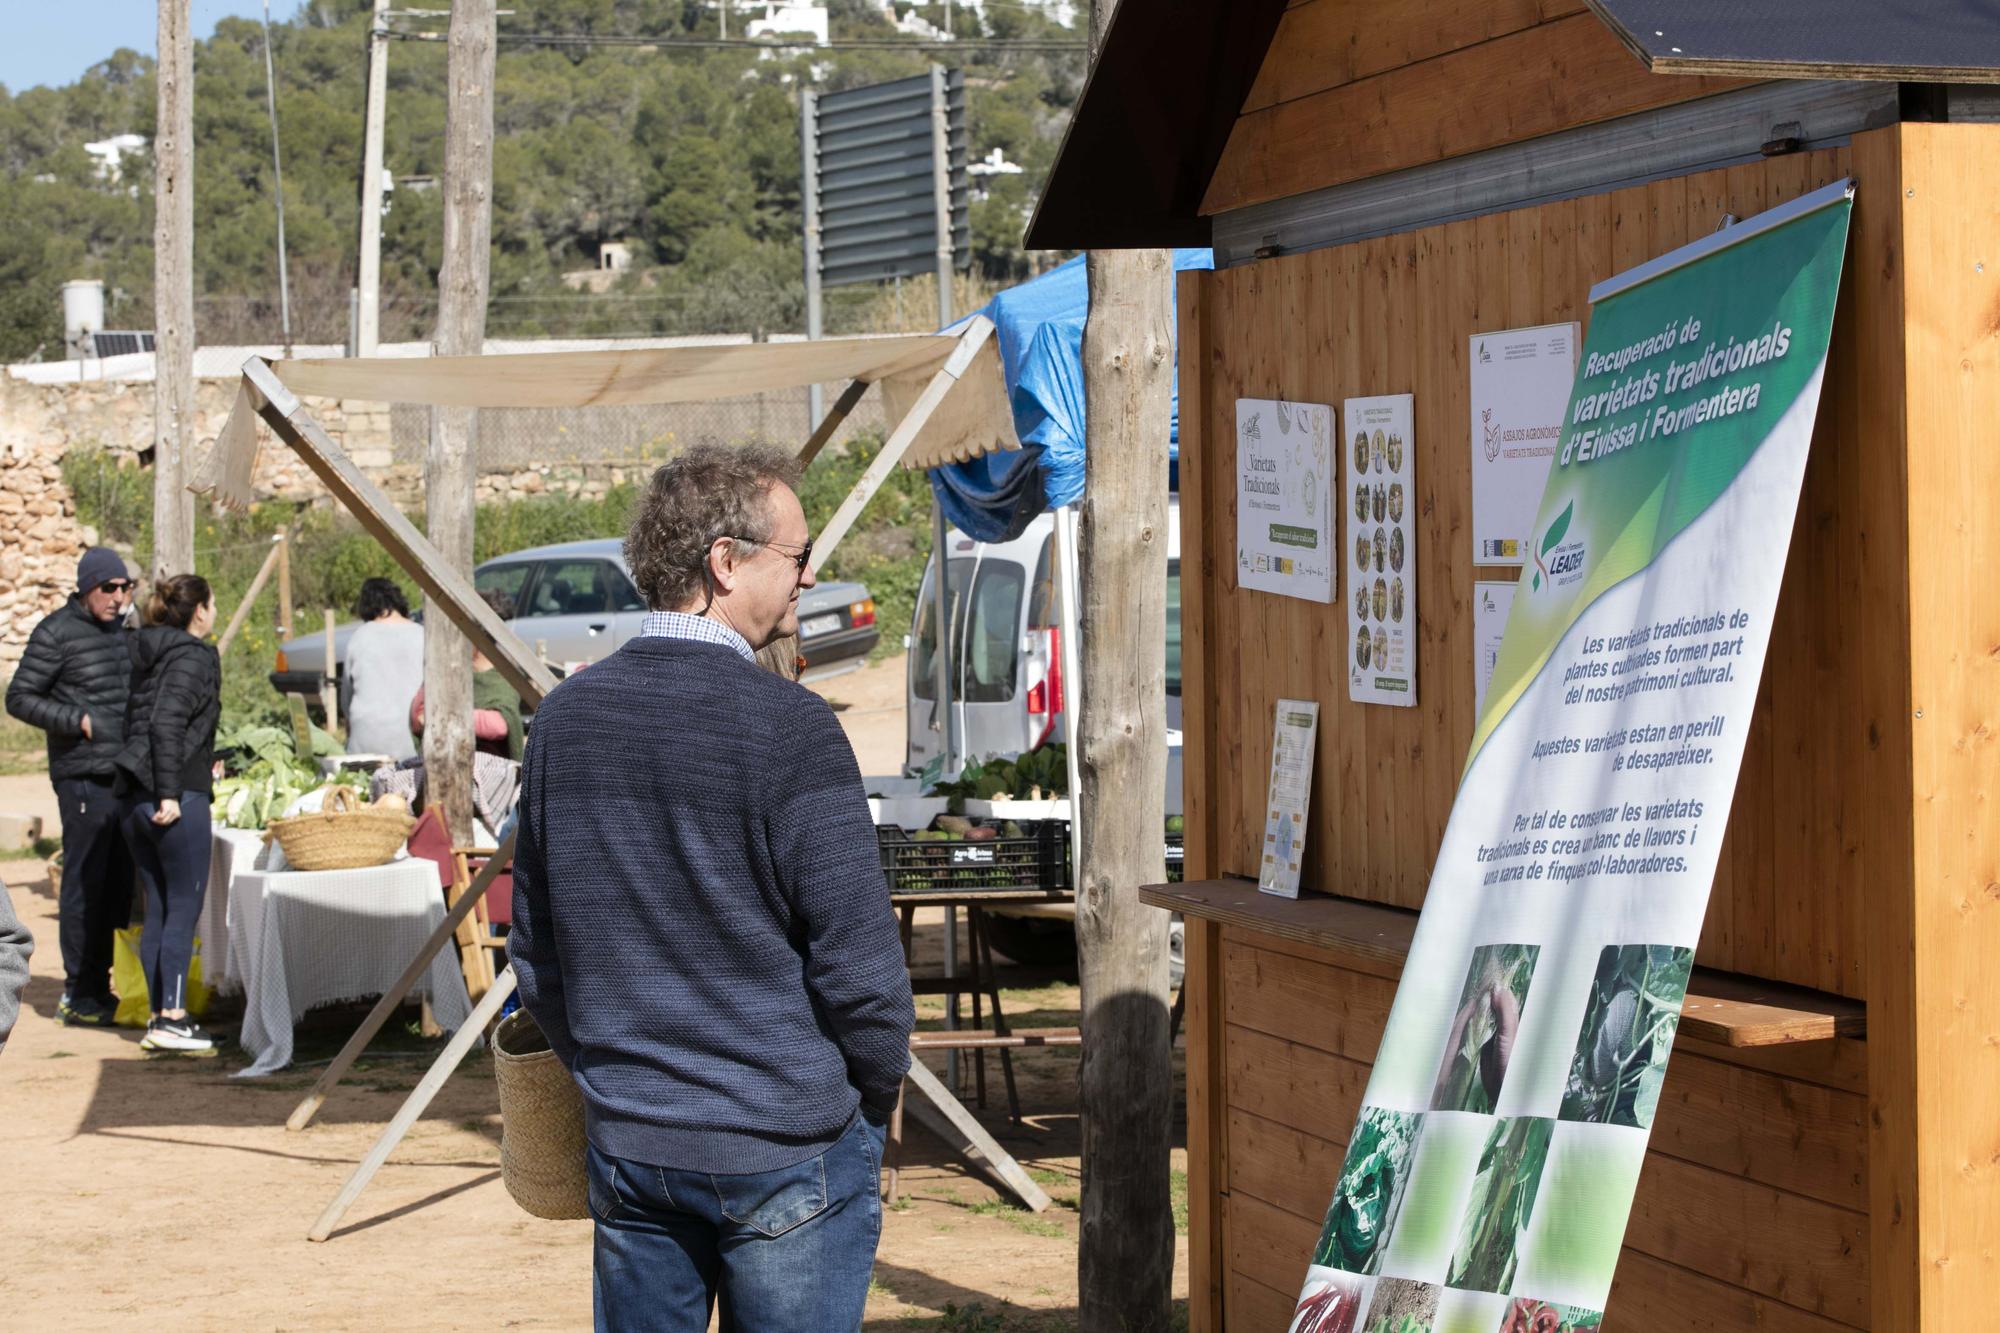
1488	1179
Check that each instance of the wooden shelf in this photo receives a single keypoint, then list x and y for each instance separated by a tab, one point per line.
1720	1007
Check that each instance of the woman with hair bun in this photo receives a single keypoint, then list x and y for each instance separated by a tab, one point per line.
168	761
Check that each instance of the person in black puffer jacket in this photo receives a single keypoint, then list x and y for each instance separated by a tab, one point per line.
168	759
72	683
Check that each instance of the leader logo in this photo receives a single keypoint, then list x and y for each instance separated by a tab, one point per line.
1558	563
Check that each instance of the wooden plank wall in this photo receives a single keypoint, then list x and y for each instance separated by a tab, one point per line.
1751	1210
1934	998
1393	315
1333	101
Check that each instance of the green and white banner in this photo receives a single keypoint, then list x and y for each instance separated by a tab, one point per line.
1488	1179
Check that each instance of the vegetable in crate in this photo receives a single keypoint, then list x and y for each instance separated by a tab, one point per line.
1039	775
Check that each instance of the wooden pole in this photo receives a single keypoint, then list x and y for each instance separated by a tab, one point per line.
461	331
173	294
329	686
368	293
250	597
284	540
1125	1257
441	1069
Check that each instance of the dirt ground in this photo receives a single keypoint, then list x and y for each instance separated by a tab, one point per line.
164	1190
870	703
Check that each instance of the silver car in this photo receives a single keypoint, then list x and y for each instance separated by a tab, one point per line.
574	603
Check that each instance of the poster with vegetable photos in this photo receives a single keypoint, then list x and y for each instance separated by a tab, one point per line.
1284	498
1380	496
1293	741
1520	383
1489	1177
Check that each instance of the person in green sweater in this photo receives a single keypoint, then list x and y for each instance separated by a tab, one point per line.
496	709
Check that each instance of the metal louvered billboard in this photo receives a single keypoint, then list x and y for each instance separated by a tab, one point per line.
873	188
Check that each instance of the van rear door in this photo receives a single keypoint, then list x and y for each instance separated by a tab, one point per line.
987	596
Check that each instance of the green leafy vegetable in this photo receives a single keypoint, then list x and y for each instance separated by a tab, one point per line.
1628	1029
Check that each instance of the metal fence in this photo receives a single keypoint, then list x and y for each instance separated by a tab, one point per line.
521	437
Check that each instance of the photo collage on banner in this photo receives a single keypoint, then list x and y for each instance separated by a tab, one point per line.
1382	607
1285	522
1490	1174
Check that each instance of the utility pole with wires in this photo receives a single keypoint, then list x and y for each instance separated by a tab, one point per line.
173	294
463	282
278	184
368	278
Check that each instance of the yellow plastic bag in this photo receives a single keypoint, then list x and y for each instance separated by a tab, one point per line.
135	1006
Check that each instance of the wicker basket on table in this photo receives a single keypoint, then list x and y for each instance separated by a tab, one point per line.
343	834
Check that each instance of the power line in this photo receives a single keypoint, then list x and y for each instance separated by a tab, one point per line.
662	45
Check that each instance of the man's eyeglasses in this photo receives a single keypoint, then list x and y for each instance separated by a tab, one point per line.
118	585
801	559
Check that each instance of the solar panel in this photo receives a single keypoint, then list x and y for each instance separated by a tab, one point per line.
1954	41
119	342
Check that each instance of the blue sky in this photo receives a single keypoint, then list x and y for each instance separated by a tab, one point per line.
53	43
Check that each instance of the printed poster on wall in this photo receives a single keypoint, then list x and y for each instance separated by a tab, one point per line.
1284	498
1491	601
1292	746
1520	388
1382	608
1489	1177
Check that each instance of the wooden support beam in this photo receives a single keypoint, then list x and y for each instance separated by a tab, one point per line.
899	441
449	592
392	1134
849	398
250	598
963	1126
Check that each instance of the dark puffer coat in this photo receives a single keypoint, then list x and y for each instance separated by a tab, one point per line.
75	664
170	724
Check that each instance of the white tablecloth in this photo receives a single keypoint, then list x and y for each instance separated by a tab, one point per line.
298	939
231	852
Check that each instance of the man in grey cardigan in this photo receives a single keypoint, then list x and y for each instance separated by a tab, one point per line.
15	946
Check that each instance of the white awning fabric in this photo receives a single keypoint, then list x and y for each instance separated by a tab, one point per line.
973	419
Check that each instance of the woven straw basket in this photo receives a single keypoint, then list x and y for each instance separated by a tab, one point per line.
541	1123
342	834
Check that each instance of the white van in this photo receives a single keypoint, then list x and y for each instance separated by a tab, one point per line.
1009	669
1008	692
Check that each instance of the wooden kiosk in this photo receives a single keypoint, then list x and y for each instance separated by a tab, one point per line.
1381	182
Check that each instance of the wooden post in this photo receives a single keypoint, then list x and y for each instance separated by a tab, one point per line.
173	295
285	584
1125	1259
250	597
329	686
461	331
368	284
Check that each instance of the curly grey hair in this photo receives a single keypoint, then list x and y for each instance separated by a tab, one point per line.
706	492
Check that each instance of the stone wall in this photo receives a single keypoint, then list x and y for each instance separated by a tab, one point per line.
40	537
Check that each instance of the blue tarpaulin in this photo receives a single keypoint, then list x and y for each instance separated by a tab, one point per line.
1040	328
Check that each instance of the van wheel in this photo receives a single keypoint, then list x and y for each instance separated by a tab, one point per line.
1032	941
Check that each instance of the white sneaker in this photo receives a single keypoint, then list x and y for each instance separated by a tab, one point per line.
176	1034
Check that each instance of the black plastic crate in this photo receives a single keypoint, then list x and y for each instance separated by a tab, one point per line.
1038	859
1176	854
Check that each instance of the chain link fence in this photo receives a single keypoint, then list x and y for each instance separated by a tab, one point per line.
514	438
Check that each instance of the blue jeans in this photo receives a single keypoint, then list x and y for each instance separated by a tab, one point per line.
786	1251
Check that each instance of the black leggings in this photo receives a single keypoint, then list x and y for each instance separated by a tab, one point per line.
173	867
